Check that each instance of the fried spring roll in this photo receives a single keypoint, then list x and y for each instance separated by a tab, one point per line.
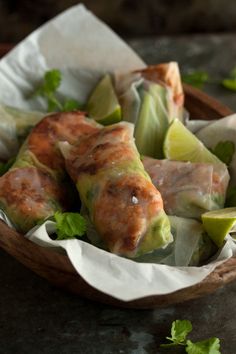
36	186
123	204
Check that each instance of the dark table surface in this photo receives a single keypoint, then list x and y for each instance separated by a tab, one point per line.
36	317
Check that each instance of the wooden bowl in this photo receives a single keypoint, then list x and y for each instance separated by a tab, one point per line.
57	269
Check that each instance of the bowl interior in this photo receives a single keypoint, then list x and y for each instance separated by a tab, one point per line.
58	270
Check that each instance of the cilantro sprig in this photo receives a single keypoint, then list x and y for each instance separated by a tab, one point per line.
196	78
48	89
200	78
208	346
179	332
69	225
230	82
230	197
224	150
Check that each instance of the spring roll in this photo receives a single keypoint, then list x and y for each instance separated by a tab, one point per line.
188	189
36	186
15	125
191	245
122	203
151	98
168	75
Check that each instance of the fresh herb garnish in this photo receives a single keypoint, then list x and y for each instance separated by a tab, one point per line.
208	346
230	82
69	225
48	90
4	166
200	78
196	78
179	332
71	105
230	197
224	150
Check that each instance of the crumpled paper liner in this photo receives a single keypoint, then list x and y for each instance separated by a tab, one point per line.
84	48
122	278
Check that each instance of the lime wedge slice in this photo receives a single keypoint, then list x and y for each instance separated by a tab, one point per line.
218	223
103	105
181	145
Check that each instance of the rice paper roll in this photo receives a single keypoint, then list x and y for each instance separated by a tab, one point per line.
127	89
122	203
41	147
151	98
221	131
37	186
191	245
168	75
28	195
188	189
15	125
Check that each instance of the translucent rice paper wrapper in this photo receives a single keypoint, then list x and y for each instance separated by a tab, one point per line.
194	125
14	126
84	48
223	129
211	132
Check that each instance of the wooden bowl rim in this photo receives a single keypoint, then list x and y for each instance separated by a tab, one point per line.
59	271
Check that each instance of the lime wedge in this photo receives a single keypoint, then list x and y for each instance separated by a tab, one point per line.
103	105
181	145
218	223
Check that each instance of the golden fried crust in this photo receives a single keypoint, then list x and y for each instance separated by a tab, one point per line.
42	141
31	192
127	204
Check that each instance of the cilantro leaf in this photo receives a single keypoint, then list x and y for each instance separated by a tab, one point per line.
4	166
48	89
179	331
69	225
71	105
208	346
231	197
224	150
230	82
196	78
52	80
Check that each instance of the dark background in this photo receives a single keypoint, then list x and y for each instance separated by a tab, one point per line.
127	17
36	317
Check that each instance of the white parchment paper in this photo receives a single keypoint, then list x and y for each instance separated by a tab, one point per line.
78	44
122	278
83	48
